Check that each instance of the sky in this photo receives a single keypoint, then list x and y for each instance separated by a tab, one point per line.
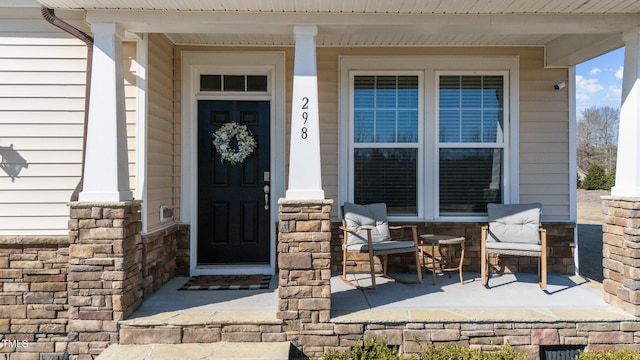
599	81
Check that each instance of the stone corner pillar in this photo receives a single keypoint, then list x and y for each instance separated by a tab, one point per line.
621	253
304	264
105	277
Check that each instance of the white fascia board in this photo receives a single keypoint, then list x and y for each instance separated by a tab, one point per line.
570	50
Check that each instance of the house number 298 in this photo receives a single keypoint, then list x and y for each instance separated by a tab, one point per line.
305	117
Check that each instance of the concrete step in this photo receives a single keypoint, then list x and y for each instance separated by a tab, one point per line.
200	351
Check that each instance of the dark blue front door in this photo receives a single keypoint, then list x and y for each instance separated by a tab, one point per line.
233	213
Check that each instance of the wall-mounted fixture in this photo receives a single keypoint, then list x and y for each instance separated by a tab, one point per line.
560	85
165	213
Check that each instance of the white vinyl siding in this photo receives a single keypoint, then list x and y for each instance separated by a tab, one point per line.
42	95
160	130
42	77
544	138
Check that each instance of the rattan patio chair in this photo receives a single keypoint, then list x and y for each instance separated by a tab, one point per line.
514	230
366	230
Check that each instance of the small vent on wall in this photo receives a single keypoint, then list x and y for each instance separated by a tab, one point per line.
560	352
165	213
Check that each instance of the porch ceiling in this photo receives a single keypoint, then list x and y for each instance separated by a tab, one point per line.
571	30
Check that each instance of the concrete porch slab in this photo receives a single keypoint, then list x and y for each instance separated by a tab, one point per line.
509	297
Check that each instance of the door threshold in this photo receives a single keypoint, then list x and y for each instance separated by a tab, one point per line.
240	269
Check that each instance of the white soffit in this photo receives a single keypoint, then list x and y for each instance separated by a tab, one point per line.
555	24
364	6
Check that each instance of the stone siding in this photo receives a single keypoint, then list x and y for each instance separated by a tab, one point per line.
525	337
160	255
33	300
304	259
105	275
621	253
560	249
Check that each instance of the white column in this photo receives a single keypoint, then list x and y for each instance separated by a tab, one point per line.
628	162
305	181
106	177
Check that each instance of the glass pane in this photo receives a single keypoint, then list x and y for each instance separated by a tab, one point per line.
469	180
234	83
363	126
471	123
450	92
389	176
385	126
364	92
386	109
256	83
407	126
210	83
471	109
449	125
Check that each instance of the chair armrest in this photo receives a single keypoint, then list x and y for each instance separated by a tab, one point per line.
344	228
397	227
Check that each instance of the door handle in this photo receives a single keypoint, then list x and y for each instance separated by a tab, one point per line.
266	197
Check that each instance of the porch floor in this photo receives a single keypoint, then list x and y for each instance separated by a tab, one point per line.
511	297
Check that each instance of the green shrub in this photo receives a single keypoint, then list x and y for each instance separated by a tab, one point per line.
620	354
454	352
370	350
596	179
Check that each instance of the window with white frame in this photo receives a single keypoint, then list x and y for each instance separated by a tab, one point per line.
432	144
385	141
471	122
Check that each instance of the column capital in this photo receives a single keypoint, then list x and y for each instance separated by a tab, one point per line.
631	34
305	30
108	28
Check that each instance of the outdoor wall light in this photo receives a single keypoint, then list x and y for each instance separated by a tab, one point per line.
560	85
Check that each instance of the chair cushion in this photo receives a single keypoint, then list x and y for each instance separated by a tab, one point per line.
373	216
384	247
513	246
514	223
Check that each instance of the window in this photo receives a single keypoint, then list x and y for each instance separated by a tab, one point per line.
470	142
241	83
432	142
385	141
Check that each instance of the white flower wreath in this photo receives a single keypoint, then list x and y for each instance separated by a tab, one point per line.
222	139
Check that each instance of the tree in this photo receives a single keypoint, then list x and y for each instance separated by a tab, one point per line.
597	133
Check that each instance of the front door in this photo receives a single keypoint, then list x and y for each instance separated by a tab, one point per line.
233	199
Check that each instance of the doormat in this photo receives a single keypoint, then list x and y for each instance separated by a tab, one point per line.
227	282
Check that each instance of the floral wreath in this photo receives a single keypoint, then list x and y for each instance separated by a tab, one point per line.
222	139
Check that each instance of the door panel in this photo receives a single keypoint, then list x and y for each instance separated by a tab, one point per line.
233	222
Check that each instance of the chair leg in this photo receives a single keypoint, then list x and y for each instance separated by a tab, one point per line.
460	263
483	266
344	264
373	271
418	267
543	270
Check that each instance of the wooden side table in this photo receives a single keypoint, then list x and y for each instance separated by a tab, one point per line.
446	263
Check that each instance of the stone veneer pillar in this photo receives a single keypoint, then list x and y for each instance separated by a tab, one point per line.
304	263
621	252
105	277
